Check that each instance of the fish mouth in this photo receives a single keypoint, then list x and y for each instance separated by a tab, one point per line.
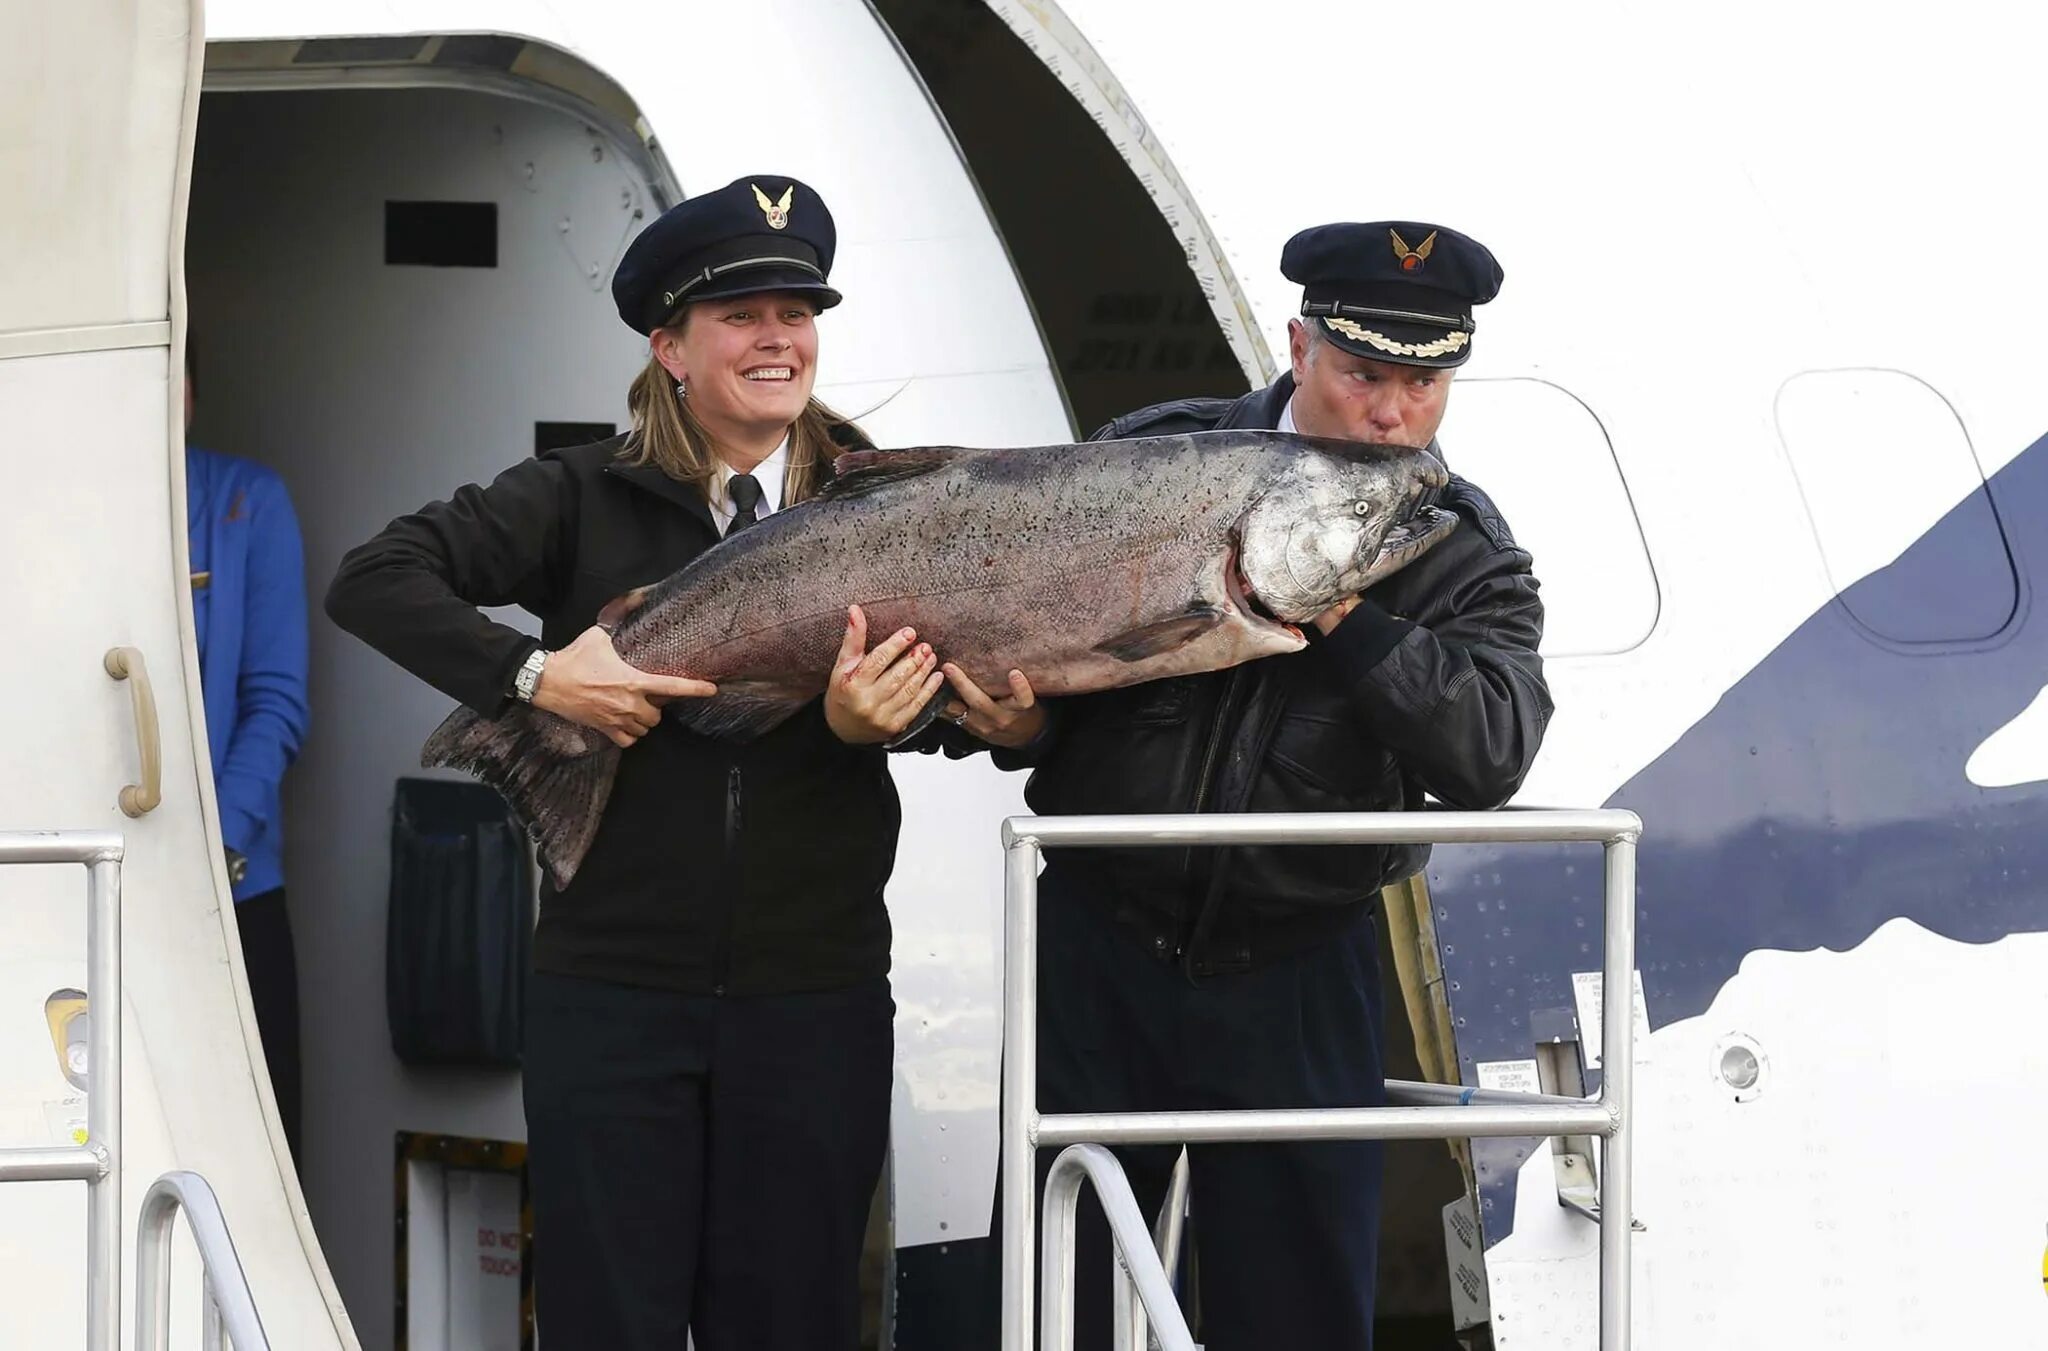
1412	537
1238	589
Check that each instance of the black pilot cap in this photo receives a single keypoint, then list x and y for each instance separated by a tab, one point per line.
1393	290
760	233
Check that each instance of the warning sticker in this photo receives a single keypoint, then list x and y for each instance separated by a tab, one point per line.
66	1120
1470	1305
1509	1076
1586	995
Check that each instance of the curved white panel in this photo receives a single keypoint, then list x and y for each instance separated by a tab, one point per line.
1881	1185
92	94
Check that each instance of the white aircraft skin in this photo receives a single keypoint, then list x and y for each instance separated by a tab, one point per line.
1767	333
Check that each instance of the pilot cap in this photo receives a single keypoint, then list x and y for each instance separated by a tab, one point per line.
763	232
1398	290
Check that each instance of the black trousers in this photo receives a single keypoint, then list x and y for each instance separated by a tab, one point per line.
1287	1236
702	1163
266	929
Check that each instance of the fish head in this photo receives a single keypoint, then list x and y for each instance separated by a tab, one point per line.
1338	518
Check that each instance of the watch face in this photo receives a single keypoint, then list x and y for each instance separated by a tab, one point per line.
528	679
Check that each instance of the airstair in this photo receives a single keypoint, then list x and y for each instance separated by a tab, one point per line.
229	1313
1143	1305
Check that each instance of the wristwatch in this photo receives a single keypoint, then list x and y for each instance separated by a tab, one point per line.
528	678
238	865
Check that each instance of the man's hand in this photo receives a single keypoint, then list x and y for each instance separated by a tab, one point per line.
873	696
1010	721
590	685
1329	619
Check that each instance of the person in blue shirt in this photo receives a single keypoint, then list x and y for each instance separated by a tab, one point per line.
249	617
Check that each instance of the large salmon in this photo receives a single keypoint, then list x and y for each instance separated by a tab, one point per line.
1085	567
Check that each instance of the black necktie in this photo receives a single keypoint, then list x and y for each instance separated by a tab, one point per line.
745	491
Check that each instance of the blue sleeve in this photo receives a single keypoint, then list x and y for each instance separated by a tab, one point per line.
270	688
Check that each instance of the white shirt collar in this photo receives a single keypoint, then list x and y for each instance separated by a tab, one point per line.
769	473
1287	417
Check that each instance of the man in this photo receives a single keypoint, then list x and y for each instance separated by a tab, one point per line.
249	616
1249	977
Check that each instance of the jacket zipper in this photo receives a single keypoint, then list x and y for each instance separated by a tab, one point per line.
1187	866
1205	914
1216	723
722	967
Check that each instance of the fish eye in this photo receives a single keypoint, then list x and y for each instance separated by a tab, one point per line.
1362	508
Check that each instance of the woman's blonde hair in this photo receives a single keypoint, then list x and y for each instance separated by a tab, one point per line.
667	434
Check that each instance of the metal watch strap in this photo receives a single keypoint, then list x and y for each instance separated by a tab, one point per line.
528	679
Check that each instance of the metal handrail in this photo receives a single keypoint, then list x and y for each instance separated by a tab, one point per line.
1168	1226
229	1305
1166	1241
1452	1113
97	1163
1132	1242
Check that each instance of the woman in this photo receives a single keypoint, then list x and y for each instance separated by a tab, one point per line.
708	1036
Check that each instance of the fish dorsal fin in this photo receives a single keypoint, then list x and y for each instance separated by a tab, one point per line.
862	471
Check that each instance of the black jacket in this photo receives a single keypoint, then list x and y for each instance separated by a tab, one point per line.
719	868
1431	685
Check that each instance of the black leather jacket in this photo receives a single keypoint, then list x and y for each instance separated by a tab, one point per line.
1432	685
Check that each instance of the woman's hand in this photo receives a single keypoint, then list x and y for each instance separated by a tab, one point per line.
873	696
589	684
1010	721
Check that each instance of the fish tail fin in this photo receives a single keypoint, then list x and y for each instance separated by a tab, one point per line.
557	776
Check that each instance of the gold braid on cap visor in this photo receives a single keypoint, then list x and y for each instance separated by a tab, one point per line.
1443	346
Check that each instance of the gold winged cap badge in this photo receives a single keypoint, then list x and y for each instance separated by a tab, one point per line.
776	212
1411	259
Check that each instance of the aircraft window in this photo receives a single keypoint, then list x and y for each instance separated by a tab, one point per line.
1544	459
441	234
1898	504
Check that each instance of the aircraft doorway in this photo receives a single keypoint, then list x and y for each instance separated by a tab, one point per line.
399	282
393	292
